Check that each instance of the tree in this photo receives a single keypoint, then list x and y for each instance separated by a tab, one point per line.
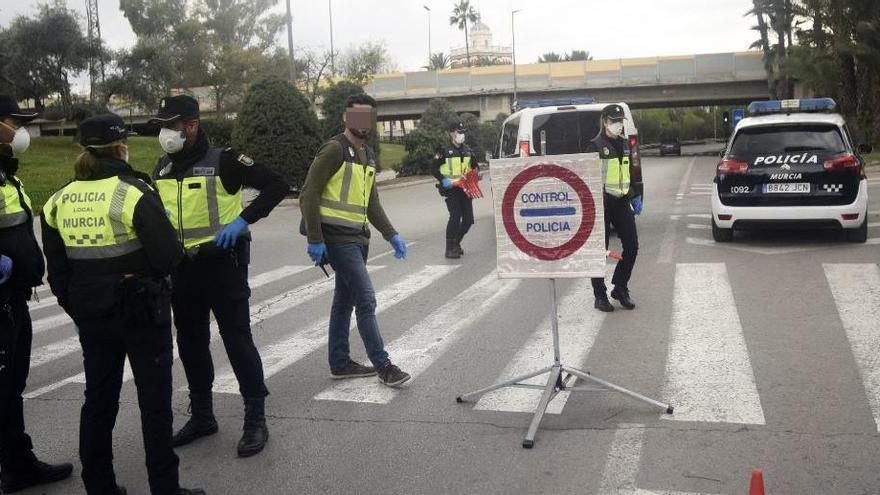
153	17
311	69
439	61
359	64
577	55
429	134
462	14
778	16
276	127
549	57
333	109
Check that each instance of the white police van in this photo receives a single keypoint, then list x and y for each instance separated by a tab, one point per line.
559	127
791	163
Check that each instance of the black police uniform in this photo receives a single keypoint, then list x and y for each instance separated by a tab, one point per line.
19	467
619	214
121	304
216	280
459	205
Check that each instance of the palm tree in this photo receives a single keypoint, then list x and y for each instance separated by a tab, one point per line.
577	55
549	57
438	61
462	14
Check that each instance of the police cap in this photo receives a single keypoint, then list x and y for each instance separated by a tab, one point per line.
613	112
9	108
102	129
172	108
457	127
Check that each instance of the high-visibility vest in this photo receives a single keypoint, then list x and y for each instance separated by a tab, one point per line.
455	166
95	218
12	212
616	175
198	205
346	196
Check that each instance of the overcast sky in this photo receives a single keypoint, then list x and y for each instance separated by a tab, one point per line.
608	29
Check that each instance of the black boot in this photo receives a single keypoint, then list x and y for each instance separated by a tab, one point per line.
255	433
33	473
603	304
451	252
622	296
458	248
202	422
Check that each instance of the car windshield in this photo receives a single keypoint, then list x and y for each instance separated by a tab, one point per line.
770	140
564	132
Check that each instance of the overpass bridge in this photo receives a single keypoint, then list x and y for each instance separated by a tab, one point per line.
704	79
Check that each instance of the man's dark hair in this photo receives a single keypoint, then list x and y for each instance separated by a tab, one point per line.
360	99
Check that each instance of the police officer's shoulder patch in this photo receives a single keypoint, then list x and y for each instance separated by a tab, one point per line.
436	156
605	150
245	160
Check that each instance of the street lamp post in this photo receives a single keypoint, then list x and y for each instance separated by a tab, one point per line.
290	44
429	34
513	50
332	53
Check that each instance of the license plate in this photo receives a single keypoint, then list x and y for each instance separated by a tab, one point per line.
787	187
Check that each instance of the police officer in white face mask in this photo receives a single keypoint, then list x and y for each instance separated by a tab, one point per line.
451	162
622	199
21	269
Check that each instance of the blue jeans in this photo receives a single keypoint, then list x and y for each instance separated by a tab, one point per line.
354	290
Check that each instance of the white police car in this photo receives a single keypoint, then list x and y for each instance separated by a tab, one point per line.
791	163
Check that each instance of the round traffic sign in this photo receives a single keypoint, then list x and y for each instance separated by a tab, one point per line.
587	205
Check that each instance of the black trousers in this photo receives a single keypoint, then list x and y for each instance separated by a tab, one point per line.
16	334
461	213
218	284
619	214
106	342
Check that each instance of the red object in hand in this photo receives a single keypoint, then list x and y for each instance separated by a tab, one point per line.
470	184
614	255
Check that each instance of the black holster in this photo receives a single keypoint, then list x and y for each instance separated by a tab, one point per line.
146	299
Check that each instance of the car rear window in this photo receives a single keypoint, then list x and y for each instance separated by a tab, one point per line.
509	136
564	132
787	139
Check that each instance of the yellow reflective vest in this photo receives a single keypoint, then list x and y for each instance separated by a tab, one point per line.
12	212
617	179
346	196
455	166
198	205
95	218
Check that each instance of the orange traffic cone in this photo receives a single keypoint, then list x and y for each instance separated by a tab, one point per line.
757	485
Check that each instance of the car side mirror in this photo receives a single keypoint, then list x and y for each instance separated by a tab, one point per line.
865	149
722	153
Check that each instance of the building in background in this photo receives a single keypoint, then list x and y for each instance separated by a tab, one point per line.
482	51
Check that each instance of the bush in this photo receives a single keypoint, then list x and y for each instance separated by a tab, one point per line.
420	145
276	127
333	109
219	131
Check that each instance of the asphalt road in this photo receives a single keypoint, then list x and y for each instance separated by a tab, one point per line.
767	348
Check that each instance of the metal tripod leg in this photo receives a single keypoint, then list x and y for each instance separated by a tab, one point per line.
509	383
550	391
629	393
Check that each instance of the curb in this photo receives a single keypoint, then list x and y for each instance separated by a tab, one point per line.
381	186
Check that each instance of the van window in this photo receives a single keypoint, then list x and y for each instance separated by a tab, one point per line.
509	137
565	132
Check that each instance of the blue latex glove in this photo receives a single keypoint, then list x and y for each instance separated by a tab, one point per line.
636	203
5	269
399	245
446	182
317	252
226	238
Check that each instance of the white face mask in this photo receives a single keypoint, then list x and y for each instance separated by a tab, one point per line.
615	129
125	155
20	141
458	139
170	140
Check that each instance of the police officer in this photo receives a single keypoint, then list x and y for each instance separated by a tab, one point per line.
110	249
201	187
451	162
622	199
21	269
337	200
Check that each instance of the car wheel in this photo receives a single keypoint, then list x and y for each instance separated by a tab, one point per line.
858	234
721	235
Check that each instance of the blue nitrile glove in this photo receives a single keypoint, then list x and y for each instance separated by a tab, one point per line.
399	245
226	238
5	268
446	182
636	203
317	251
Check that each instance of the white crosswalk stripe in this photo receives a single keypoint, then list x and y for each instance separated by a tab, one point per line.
708	373
424	343
280	355
579	323
856	291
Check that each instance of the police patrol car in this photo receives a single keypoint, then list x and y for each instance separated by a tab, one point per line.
791	163
559	127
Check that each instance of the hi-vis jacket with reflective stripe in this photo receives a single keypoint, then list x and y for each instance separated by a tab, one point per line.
12	211
615	168
346	196
198	204
17	240
95	218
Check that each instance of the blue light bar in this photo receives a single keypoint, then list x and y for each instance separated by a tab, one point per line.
555	102
789	106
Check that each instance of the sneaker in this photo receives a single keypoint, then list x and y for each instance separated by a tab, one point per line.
391	376
352	370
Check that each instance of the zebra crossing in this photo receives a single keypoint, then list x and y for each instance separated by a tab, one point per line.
708	372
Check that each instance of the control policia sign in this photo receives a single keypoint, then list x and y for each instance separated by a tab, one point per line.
548	216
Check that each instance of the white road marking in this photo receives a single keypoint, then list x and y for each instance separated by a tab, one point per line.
856	291
422	345
667	245
700	193
278	274
749	249
579	323
296	346
700	215
708	373
699	226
